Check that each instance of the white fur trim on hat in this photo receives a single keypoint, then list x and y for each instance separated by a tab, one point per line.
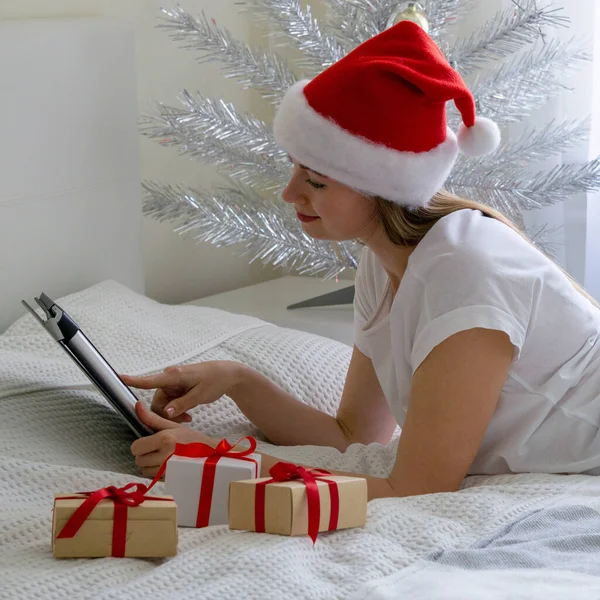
483	138
408	178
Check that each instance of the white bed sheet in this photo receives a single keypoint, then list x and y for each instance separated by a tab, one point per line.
58	435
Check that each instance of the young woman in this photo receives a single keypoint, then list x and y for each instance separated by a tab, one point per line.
482	349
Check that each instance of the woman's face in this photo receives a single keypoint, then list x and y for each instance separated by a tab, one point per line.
327	209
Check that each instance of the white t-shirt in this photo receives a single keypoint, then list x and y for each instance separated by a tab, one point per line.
473	271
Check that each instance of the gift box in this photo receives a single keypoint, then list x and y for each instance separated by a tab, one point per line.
114	522
298	501
198	477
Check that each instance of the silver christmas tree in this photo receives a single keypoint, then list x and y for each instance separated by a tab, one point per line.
512	64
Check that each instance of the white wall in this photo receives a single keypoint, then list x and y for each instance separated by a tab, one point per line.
177	269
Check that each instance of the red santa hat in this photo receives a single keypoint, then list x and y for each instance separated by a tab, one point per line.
376	119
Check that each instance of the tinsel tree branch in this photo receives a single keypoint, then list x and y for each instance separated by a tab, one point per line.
541	236
365	18
254	68
504	34
530	147
563	181
510	193
215	133
356	21
526	83
320	49
267	231
348	23
441	13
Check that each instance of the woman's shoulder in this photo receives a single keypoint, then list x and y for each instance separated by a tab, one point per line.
471	229
472	241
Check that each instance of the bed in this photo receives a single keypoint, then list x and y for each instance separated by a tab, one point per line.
520	536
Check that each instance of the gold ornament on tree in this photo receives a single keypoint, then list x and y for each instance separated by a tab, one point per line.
410	11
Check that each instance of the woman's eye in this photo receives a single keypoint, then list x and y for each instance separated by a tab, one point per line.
317	186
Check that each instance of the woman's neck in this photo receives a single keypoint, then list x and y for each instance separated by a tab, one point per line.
394	259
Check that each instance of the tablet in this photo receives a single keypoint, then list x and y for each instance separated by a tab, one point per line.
86	356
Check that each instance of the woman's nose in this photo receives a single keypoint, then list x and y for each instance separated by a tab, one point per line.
291	194
287	193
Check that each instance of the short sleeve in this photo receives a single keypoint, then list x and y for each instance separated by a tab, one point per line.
464	292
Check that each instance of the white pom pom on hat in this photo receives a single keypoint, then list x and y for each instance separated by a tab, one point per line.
376	119
480	139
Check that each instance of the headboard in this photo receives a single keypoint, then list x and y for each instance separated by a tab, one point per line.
70	194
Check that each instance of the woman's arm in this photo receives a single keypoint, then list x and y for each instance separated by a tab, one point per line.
453	397
363	415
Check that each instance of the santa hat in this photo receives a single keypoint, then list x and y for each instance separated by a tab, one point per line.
376	119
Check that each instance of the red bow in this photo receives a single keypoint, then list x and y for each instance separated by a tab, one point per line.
132	494
284	471
212	455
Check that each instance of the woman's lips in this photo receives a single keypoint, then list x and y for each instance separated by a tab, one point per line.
305	218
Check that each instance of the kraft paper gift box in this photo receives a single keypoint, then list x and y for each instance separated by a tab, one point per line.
283	507
200	484
148	530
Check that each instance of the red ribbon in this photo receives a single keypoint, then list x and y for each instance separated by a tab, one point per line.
132	494
212	455
283	471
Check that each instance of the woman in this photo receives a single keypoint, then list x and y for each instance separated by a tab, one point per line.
475	343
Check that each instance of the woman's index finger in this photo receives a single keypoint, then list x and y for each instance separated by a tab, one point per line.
148	382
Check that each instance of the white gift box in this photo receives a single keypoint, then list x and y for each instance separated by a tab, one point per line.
184	479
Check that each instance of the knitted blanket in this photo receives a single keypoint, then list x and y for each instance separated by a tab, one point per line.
58	435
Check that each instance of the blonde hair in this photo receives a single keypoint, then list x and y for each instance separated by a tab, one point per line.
407	226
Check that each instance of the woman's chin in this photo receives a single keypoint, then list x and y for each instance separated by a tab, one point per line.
324	236
311	227
315	230
318	236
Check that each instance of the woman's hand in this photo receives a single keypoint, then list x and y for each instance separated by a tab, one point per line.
181	388
150	452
